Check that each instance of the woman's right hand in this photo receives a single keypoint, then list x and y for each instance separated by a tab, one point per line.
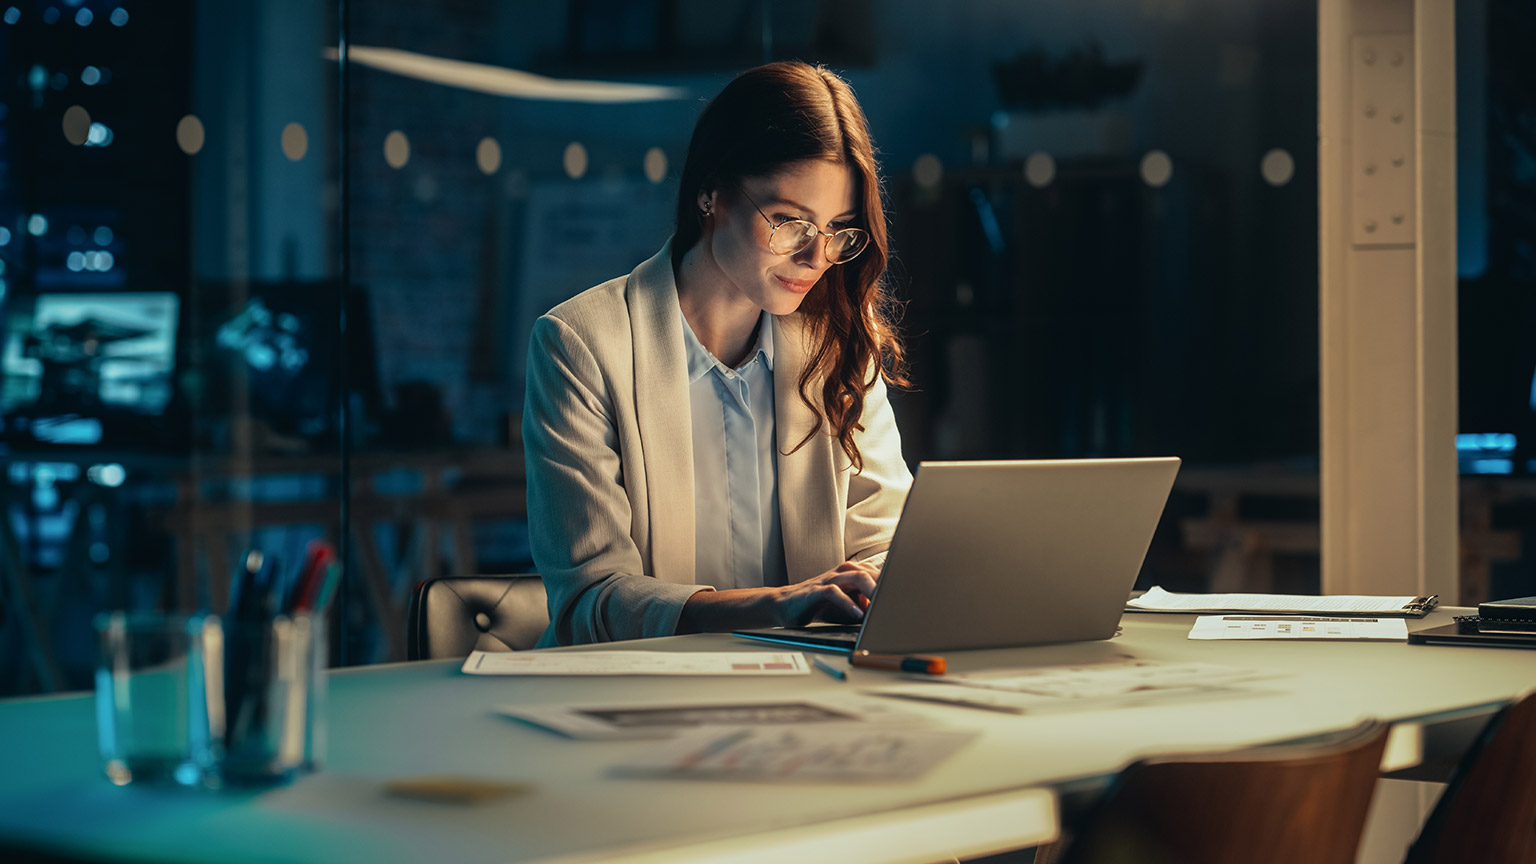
839	595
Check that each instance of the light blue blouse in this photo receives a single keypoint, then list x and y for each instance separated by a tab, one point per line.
738	541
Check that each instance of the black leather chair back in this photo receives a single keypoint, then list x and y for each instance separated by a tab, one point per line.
451	616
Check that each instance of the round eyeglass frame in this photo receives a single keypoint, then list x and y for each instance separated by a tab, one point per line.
843	236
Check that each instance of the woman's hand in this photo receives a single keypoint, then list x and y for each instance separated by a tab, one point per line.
839	595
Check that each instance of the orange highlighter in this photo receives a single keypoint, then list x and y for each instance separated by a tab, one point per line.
909	663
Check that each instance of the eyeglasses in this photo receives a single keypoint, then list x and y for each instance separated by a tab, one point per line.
793	235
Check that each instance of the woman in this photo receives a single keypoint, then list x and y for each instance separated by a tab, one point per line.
708	439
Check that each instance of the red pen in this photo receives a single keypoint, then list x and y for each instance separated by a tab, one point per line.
909	663
311	576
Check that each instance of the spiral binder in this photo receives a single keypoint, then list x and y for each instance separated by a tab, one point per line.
1484	624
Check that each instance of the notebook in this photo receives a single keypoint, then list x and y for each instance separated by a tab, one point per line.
1520	609
1006	553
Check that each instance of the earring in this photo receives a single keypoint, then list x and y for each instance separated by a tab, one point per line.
709	209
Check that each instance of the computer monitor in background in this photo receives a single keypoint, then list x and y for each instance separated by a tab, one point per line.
79	366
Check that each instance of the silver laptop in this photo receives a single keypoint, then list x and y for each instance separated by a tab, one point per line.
1002	554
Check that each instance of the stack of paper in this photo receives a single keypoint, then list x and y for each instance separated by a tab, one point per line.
1286	627
1095	686
1158	600
814	753
635	663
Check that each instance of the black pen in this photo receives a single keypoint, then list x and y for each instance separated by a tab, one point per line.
247	646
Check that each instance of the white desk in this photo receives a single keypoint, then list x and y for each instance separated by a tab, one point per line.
426	718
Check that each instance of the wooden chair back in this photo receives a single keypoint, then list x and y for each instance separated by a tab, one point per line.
1488	811
1279	804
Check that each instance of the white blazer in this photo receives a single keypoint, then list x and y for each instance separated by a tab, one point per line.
609	450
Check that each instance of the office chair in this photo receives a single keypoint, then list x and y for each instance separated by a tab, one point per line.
451	616
1487	812
1279	804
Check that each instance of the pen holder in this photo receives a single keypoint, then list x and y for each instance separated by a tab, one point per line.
273	692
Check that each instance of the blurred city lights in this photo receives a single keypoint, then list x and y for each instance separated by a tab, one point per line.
111	474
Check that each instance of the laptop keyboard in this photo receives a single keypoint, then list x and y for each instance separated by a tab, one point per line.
825	631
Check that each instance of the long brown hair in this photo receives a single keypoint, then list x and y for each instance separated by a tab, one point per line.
764	120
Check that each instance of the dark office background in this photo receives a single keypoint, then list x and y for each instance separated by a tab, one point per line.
251	296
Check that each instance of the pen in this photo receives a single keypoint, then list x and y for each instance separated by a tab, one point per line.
328	584
245	660
242	580
910	663
306	589
829	668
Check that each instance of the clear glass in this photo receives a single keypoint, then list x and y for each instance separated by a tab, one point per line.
159	709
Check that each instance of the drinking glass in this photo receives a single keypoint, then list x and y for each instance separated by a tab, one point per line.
159	709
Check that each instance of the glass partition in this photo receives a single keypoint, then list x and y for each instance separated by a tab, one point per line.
267	270
1103	218
171	306
1496	266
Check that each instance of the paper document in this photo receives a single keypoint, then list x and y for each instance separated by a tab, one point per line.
1298	627
663	720
1092	686
1158	600
814	753
635	663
